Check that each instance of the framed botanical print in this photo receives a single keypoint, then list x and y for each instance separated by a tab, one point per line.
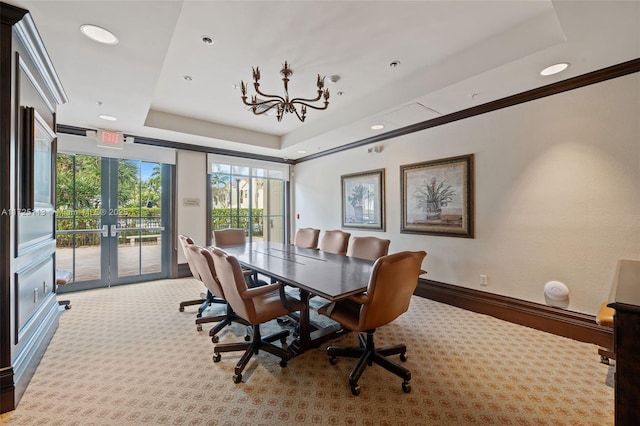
363	200
437	197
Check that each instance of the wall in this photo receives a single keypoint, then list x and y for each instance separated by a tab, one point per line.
556	193
29	88
191	171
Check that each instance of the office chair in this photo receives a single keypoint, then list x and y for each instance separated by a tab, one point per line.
370	248
306	238
203	262
391	285
335	242
234	237
229	237
185	243
256	305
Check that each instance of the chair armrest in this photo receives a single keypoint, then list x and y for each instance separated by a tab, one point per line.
252	292
361	298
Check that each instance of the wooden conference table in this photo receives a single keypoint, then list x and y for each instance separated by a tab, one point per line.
314	272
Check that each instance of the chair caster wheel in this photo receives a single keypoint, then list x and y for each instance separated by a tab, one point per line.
333	360
403	357
283	363
199	327
237	378
283	340
217	357
406	387
67	307
215	339
247	338
355	390
181	309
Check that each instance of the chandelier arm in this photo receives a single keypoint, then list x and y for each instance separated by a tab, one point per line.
300	117
326	105
265	102
302	100
267	109
264	95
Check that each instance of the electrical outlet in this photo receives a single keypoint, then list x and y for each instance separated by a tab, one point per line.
483	280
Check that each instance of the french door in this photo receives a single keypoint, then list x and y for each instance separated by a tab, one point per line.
111	220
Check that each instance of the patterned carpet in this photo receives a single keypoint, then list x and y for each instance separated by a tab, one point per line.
126	356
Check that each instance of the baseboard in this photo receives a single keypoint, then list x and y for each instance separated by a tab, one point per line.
574	325
184	271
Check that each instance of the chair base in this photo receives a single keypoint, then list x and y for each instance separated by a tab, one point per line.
204	304
367	354
606	355
225	320
258	343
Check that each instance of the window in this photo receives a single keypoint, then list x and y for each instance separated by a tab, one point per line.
248	194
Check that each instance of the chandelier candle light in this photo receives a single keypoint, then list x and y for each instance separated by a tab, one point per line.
283	104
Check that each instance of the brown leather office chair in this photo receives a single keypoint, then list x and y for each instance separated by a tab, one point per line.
605	318
391	285
229	237
335	242
185	243
256	305
307	238
233	237
370	248
202	260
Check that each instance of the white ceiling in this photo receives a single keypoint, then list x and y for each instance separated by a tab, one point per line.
453	55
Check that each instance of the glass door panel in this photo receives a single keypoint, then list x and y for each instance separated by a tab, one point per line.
110	222
139	226
78	216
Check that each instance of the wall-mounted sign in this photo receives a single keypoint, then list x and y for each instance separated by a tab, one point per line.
191	202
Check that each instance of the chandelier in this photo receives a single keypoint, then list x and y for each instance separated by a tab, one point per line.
284	104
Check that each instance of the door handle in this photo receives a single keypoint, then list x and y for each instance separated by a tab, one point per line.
105	231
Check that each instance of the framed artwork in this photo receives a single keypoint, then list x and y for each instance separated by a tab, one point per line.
363	200
36	185
437	197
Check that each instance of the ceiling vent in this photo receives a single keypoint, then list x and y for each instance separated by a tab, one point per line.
410	114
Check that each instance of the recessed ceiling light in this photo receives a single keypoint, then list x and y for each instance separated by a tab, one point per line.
302	151
187	77
394	64
107	117
554	69
377	127
99	34
206	39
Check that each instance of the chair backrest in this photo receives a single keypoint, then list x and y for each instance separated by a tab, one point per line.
335	242
393	280
306	238
185	242
369	248
229	237
203	262
233	284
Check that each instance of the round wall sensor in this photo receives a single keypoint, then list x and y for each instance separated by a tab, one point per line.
556	290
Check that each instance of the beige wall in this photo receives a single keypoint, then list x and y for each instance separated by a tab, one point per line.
191	172
557	195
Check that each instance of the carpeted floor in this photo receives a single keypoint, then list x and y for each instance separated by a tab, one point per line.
126	356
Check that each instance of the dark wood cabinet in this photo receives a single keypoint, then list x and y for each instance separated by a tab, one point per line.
626	302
